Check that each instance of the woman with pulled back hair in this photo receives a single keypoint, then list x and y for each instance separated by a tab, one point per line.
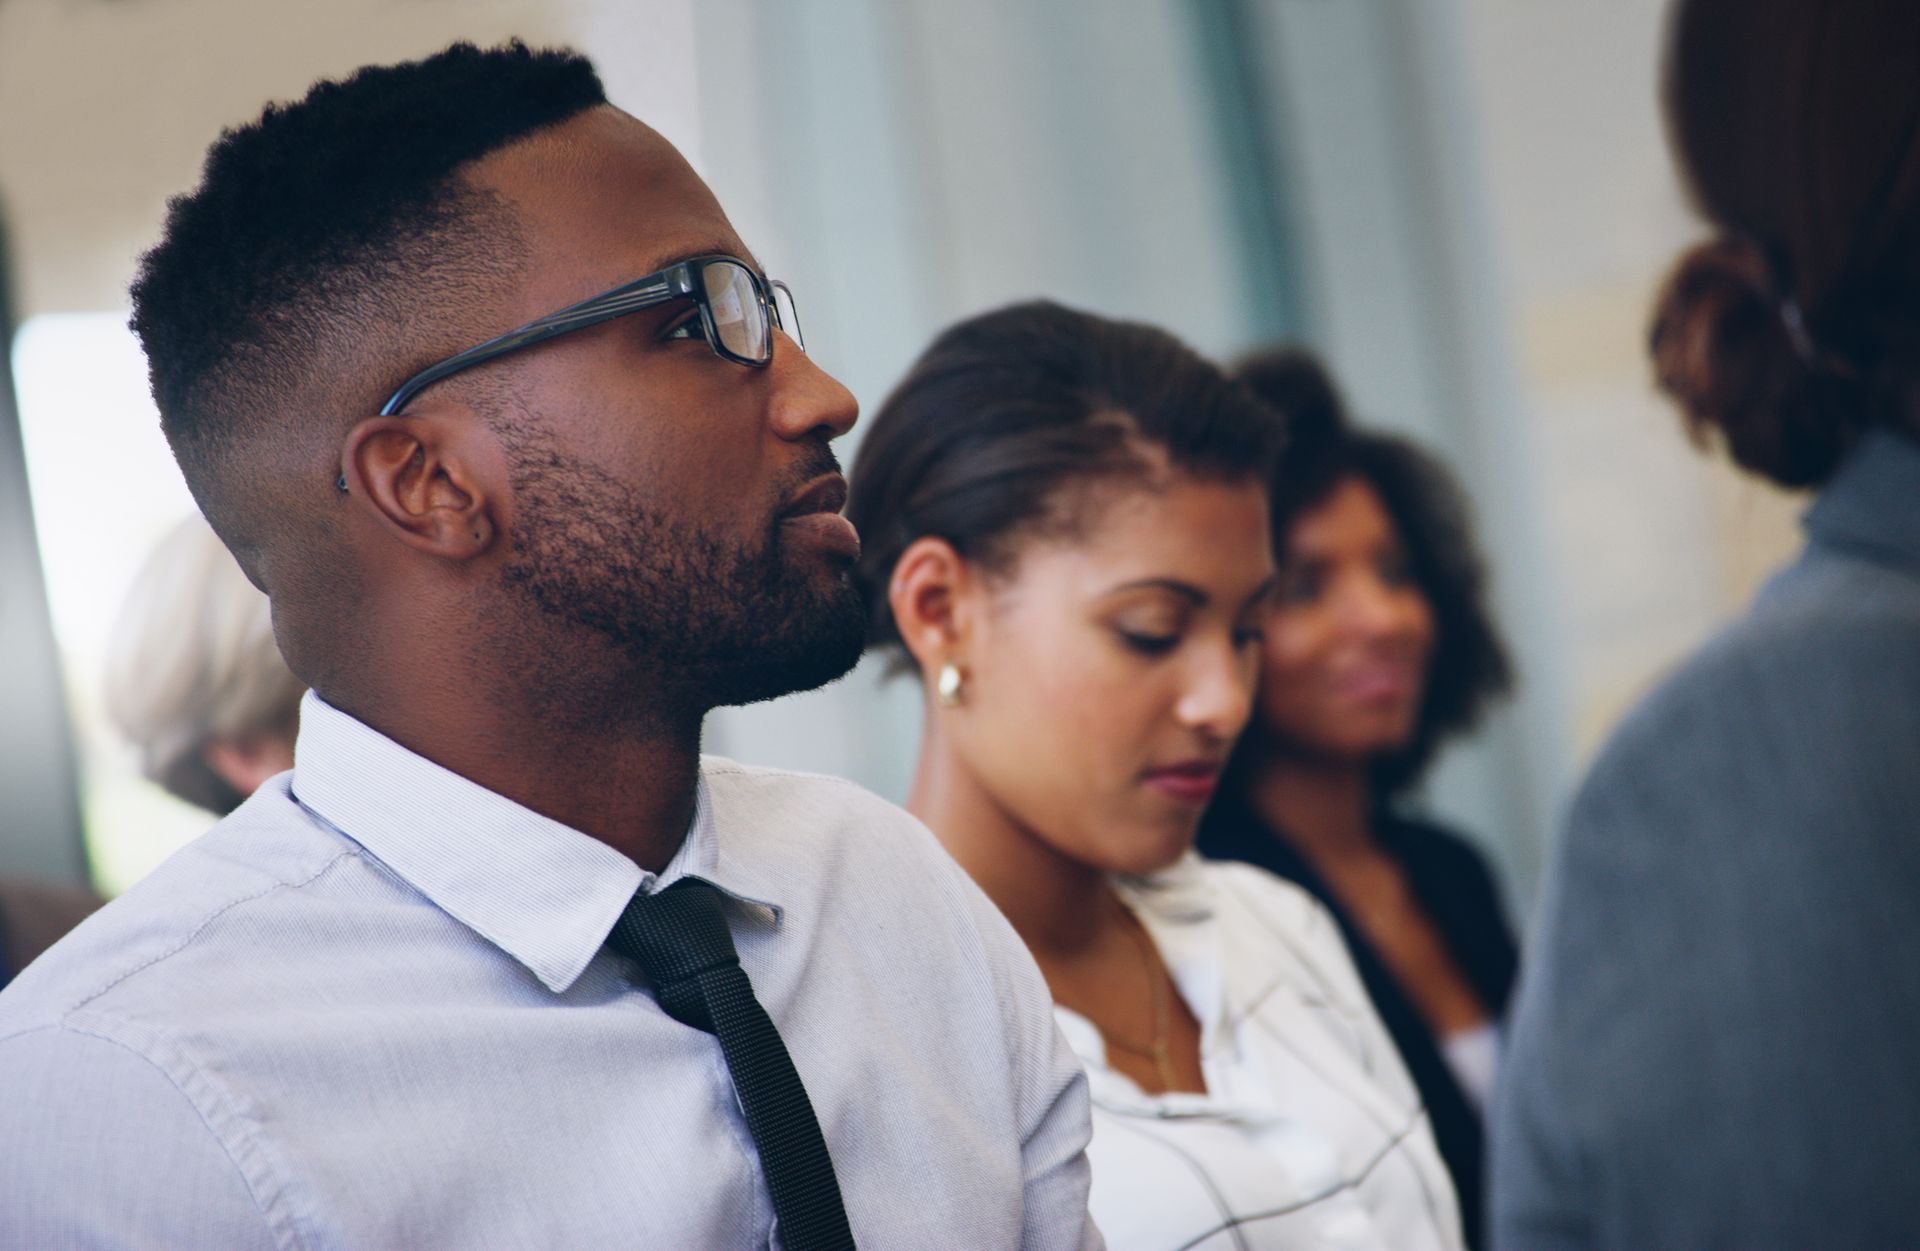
1713	1045
1066	540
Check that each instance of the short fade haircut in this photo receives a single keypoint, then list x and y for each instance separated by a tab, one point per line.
1469	667
322	238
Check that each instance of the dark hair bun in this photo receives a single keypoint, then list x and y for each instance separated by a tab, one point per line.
1293	381
1729	352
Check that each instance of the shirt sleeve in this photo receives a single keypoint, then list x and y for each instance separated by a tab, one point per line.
100	1151
1052	1105
1056	1121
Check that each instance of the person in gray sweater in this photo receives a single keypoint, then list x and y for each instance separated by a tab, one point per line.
1714	1042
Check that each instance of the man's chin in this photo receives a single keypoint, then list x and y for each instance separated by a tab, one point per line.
821	646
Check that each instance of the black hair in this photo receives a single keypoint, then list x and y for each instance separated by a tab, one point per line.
1431	519
985	439
322	234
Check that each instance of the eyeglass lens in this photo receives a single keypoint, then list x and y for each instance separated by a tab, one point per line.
739	318
785	315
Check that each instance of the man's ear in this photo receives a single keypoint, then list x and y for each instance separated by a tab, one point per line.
431	481
933	594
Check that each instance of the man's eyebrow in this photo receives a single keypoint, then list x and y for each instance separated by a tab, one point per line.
717	247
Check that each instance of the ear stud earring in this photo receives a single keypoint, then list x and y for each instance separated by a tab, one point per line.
949	685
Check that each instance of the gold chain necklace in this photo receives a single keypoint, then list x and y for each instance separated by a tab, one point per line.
1156	1049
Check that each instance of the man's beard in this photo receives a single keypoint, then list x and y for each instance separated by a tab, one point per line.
708	620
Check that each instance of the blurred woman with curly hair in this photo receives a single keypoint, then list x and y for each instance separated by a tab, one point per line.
1378	647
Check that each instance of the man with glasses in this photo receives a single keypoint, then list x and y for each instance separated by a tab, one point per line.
503	962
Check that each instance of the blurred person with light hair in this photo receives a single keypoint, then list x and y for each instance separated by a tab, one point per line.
1713	1042
194	678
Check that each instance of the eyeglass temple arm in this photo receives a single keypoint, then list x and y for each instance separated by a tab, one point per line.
615	303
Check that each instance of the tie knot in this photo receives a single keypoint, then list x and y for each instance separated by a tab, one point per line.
675	934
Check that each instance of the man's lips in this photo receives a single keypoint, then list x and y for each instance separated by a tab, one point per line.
1190	781
814	515
825	494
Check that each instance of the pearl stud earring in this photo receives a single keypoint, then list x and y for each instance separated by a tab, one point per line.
949	685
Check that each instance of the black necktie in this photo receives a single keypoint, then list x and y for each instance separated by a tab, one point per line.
679	937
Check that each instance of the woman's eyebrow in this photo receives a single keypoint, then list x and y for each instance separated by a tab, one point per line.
1185	590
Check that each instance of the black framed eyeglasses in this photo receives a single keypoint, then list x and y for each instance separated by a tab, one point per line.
739	311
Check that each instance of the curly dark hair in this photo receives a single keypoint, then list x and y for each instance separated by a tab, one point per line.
330	244
985	440
1431	517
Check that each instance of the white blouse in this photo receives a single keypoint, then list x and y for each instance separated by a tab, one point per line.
1310	1135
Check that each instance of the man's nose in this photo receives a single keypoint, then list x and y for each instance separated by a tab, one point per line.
806	399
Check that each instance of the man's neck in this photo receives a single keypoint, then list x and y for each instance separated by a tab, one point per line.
628	781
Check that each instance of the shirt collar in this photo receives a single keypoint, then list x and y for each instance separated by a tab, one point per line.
1176	905
1178	895
542	892
1869	507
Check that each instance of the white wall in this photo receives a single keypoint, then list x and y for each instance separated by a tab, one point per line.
1652	545
107	107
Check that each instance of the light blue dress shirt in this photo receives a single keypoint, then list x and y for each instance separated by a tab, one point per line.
371	1010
